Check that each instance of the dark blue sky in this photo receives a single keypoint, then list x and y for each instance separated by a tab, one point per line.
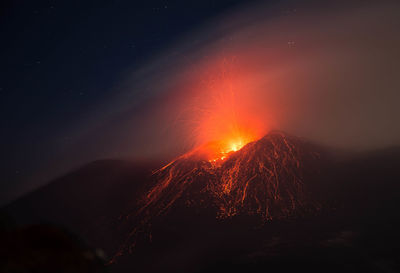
65	64
60	58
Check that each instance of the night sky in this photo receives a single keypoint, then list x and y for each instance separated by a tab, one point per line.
199	135
60	58
87	80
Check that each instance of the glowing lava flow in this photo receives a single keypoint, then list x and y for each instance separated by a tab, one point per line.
263	178
240	173
216	151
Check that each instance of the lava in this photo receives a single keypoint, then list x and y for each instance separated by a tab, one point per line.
233	170
217	112
220	150
263	178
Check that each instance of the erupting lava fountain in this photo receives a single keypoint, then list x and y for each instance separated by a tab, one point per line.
236	172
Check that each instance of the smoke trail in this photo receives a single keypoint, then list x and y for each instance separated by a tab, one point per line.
327	73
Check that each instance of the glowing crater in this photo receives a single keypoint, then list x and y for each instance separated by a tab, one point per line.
224	148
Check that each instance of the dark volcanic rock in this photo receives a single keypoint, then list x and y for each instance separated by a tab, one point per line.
354	228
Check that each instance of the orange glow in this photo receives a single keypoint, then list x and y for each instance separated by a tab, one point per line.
222	119
264	178
220	114
236	145
222	149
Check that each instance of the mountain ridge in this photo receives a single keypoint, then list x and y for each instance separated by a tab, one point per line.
93	203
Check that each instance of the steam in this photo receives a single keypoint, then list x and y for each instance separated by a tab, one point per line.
327	74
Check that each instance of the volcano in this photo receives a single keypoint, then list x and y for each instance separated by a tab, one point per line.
265	178
278	203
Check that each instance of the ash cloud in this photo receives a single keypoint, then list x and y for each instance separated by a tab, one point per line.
327	73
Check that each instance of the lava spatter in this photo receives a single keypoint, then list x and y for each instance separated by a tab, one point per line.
264	178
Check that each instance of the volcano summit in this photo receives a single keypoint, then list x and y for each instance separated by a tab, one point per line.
264	178
280	202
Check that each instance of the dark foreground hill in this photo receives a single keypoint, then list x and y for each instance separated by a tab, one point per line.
353	226
88	201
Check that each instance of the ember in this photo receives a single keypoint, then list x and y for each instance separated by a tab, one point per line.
263	178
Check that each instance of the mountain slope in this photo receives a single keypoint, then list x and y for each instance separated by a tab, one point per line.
87	201
346	221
